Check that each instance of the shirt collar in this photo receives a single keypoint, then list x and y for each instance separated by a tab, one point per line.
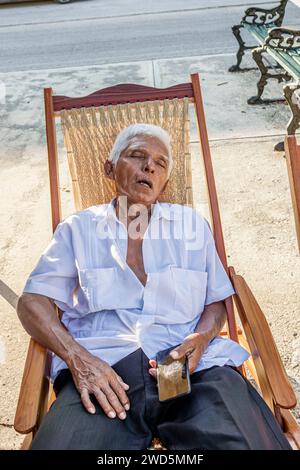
167	211
160	210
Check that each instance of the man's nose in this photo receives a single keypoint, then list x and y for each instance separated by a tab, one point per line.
149	165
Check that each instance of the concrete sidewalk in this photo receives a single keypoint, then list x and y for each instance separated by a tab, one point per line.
251	179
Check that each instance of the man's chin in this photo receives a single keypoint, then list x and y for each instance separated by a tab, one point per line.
143	198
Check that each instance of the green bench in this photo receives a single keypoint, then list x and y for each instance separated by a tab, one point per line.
257	21
281	44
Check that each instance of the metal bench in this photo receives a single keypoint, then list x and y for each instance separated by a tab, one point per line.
257	21
281	44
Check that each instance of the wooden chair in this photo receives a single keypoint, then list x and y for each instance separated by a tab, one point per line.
292	152
90	125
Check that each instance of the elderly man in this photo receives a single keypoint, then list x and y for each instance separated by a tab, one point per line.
134	277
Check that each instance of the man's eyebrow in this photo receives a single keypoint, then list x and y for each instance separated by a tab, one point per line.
164	157
139	149
134	149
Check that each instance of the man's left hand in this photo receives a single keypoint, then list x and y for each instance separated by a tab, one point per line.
193	346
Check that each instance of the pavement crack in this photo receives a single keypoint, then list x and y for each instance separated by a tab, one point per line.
7	425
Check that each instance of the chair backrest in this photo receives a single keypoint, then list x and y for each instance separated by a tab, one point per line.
89	135
292	150
90	125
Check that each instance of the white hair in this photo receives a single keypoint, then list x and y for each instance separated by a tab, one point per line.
123	139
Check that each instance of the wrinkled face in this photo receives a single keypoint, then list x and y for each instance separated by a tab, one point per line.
141	172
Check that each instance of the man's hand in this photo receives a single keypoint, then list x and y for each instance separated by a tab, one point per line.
193	346
92	376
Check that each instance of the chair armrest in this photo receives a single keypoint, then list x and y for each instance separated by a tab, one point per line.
32	386
264	16
261	342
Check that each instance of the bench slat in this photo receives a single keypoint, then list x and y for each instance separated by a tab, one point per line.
295	56
286	61
260	32
289	60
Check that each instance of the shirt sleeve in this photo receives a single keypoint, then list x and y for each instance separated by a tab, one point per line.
219	286
55	274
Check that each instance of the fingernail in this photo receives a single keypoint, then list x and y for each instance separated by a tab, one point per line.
122	415
111	414
174	354
127	406
91	410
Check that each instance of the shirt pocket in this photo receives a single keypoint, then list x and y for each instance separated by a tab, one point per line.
110	289
190	292
98	286
185	297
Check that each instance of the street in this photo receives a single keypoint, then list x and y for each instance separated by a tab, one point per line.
93	32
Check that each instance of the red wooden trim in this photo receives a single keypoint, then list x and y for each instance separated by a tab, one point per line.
292	150
121	94
31	388
52	158
212	192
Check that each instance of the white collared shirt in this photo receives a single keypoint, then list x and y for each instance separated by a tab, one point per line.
105	306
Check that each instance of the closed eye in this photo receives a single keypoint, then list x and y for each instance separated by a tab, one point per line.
137	155
162	163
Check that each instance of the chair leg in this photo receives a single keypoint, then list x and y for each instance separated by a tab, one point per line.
257	54
241	50
27	441
291	428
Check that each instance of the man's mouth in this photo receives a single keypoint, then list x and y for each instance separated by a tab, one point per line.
145	183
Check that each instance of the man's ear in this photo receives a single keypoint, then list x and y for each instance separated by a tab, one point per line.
165	185
109	169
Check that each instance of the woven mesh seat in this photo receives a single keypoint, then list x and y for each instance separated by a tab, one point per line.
90	133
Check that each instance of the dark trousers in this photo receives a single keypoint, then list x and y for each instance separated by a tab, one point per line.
223	411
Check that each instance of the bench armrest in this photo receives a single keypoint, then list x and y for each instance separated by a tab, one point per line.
283	38
33	389
263	16
262	344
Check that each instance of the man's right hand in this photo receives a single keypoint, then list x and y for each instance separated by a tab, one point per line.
93	376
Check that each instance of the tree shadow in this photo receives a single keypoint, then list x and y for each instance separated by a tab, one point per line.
8	294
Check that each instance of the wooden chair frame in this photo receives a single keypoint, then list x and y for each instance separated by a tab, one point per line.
265	363
292	152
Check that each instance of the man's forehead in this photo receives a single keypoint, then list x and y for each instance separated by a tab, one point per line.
140	141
